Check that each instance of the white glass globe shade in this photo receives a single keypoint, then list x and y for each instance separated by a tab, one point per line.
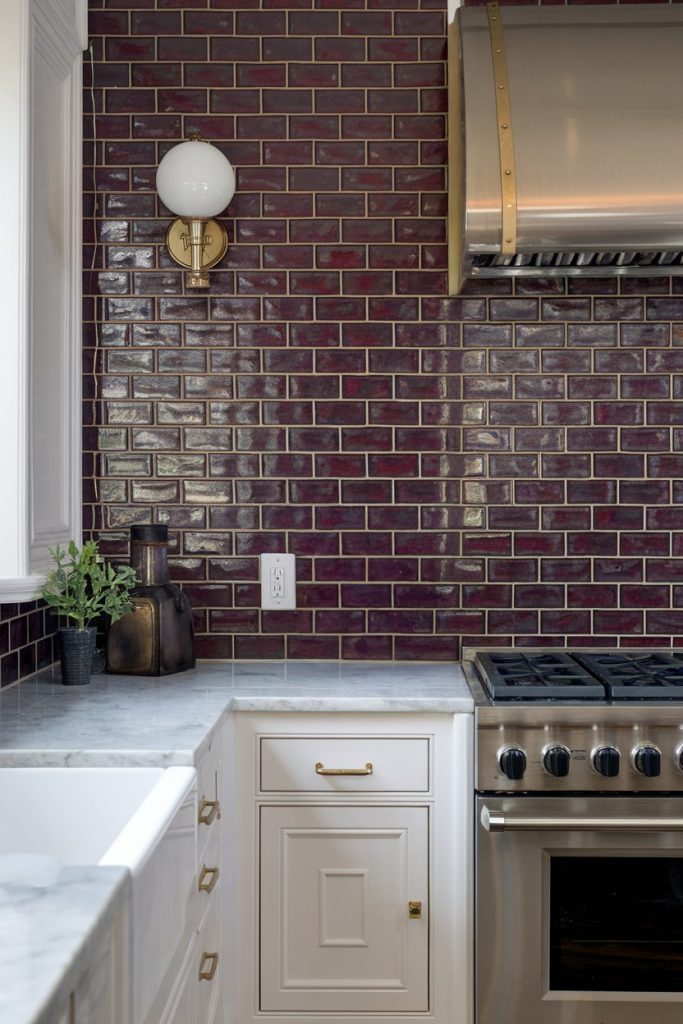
194	179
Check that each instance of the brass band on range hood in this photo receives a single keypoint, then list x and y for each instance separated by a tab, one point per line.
506	149
456	162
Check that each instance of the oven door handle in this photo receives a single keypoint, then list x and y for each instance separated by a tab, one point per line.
495	821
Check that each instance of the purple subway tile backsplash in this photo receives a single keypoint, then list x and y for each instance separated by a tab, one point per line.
27	640
497	468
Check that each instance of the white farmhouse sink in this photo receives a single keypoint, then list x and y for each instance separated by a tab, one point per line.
89	815
141	818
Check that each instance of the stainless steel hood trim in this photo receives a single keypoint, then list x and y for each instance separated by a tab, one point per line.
596	93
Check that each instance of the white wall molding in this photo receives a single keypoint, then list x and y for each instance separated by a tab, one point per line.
62	20
23	588
452	8
40	205
13	287
81	21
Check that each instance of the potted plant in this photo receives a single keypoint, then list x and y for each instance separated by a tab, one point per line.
82	587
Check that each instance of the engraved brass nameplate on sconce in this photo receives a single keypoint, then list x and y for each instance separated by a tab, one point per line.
213	243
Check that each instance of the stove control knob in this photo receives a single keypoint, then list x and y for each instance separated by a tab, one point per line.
647	761
606	761
512	762
556	761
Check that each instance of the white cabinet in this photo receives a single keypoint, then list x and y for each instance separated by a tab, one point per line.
102	991
182	1002
192	991
211	857
336	886
352	875
210	957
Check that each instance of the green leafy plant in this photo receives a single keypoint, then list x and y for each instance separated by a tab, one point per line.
83	586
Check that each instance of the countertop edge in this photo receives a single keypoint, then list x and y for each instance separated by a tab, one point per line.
67	975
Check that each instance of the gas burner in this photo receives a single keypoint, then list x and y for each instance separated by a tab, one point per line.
537	676
652	676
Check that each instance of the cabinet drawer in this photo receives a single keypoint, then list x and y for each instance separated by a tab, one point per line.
209	967
208	872
209	807
367	764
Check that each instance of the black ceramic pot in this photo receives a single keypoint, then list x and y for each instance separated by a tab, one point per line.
76	648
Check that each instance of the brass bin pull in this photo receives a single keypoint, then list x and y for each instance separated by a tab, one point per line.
208	878
204	974
208	811
321	770
414	909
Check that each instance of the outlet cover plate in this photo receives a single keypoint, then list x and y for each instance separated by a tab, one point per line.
278	581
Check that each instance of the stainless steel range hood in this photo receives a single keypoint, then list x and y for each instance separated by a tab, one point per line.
565	141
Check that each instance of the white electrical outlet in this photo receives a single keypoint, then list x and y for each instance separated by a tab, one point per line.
278	581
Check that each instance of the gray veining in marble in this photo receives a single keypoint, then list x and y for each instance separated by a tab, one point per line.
129	720
51	918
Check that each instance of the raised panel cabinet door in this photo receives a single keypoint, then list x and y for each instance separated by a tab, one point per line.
335	930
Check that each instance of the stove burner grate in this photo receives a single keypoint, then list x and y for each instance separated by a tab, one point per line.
631	676
542	675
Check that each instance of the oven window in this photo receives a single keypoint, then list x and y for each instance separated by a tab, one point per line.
616	924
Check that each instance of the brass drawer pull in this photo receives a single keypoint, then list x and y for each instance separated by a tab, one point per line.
320	770
204	973
208	811
414	909
208	878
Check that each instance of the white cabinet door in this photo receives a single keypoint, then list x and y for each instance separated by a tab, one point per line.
182	1005
336	935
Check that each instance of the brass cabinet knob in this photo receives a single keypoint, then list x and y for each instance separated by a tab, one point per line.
414	909
208	811
208	878
208	966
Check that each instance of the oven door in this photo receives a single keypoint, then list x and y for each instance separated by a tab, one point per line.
579	910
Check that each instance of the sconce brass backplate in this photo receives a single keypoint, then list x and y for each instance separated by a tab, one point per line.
215	243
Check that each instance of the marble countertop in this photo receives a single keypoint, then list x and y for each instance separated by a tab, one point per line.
45	931
135	720
50	916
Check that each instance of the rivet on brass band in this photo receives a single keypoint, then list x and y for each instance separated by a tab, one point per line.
508	177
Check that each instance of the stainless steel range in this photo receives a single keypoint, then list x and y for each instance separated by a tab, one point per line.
579	837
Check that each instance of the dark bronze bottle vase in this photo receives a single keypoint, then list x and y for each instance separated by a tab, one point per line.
157	638
76	648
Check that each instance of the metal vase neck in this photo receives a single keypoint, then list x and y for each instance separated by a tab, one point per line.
149	554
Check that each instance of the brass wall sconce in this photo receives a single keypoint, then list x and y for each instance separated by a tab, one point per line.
196	182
